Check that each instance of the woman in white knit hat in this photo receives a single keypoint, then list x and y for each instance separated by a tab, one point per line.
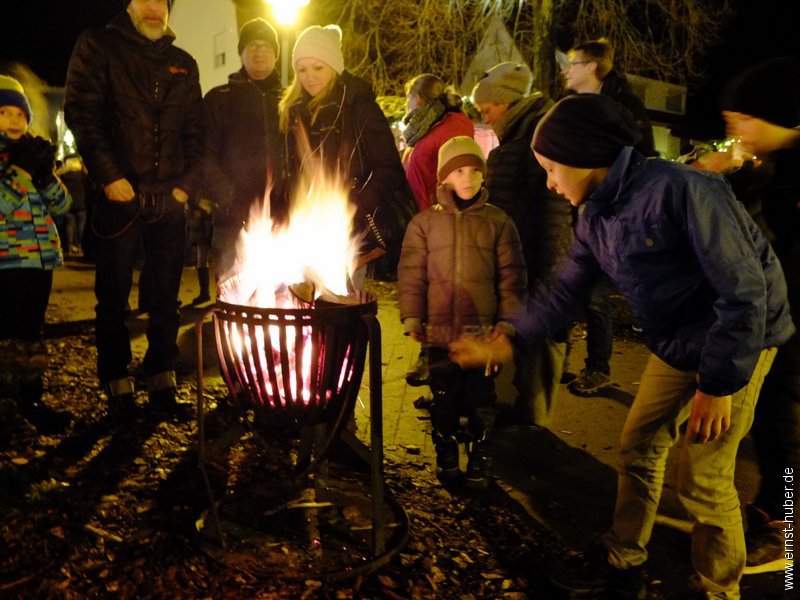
349	135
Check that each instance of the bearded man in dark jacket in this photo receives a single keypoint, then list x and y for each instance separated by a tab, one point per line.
134	104
244	144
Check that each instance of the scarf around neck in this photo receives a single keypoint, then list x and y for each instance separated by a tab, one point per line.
421	120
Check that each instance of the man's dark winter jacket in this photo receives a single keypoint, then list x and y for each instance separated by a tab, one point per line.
352	136
518	185
616	87
135	108
244	146
698	274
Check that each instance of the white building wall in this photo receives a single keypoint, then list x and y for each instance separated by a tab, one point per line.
207	30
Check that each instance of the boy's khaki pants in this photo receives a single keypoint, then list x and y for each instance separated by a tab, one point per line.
705	479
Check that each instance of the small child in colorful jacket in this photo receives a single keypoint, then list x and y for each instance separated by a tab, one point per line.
30	194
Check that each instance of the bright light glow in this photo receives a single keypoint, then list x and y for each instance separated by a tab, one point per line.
285	11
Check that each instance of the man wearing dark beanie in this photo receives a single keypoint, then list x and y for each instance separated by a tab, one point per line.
710	296
244	146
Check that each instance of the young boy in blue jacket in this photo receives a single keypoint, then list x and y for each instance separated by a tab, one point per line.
710	296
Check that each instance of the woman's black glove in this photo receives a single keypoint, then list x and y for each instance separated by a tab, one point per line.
37	156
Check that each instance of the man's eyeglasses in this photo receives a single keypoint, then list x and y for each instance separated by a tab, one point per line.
259	46
575	62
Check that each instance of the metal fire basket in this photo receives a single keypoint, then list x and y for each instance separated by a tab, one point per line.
298	369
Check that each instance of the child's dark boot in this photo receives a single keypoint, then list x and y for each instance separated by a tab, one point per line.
447	469
479	467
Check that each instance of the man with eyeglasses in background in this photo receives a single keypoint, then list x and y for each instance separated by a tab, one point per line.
590	70
244	146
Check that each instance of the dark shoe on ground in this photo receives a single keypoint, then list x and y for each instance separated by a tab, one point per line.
589	575
166	402
447	470
122	406
420	375
479	467
765	542
589	382
567	377
423	402
201	299
121	398
36	412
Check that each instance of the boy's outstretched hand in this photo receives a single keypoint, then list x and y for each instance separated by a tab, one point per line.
473	352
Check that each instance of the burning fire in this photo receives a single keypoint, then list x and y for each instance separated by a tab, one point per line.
313	252
316	246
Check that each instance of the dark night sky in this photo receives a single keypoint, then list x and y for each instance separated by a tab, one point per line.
762	29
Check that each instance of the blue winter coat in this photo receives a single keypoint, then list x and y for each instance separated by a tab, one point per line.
702	281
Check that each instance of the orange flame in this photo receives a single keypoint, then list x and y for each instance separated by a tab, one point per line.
316	245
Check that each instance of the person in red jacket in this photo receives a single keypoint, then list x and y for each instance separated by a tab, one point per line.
434	116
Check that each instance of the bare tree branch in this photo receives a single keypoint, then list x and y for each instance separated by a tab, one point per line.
390	41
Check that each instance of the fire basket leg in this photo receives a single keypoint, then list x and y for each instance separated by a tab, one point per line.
376	434
201	420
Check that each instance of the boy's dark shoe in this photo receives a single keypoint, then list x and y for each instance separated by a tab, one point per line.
588	382
447	469
765	542
420	375
122	406
479	467
590	575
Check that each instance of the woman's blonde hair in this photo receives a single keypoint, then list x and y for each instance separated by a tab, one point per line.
293	93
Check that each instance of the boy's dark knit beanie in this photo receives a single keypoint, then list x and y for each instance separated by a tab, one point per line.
586	131
769	90
258	29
